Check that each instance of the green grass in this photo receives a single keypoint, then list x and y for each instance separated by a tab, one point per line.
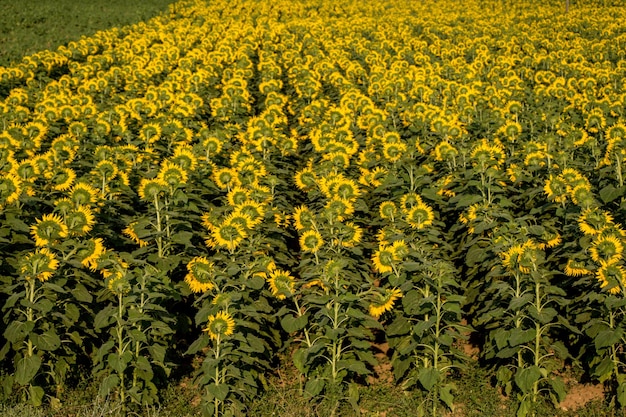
28	26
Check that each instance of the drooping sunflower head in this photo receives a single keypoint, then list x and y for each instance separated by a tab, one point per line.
255	212
184	158
220	325
523	257
63	179
150	188
49	228
311	241
10	189
575	268
281	283
40	265
238	195
306	179
384	301
225	178
612	276
348	235
201	274
556	189
420	216
172	174
400	250
394	151
606	248
388	210
228	235
83	194
338	209
383	259
79	220
582	196
593	221
303	218
92	252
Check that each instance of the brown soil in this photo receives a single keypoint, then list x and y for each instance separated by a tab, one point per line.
581	394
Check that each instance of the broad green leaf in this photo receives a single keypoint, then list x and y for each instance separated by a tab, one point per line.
610	193
313	387
26	369
607	338
47	341
526	377
446	396
519	337
107	385
18	330
558	386
428	377
35	395
292	324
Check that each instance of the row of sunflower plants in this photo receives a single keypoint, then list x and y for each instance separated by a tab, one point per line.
232	192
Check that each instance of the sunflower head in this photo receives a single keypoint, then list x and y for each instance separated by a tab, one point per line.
281	283
201	275
220	326
50	228
150	188
311	241
420	216
40	264
92	252
384	301
383	259
612	276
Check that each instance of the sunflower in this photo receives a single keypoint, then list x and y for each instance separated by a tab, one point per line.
184	158
10	189
306	178
92	253
40	264
255	212
338	209
131	232
83	194
150	188
201	273
384	302
281	283
118	280
420	216
220	325
576	268
383	259
350	235
522	258
229	235
445	151
399	249
303	218
311	241
388	210
606	248
612	276
172	174
593	221
225	178
238	195
80	220
582	196
212	146
48	229
394	151
556	189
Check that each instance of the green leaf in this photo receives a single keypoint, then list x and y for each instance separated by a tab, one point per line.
182	238
607	338
47	341
292	324
519	337
18	330
428	377
446	396
525	407
255	282
218	391
313	387
604	369
399	326
621	394
526	377
299	360
558	386
157	352
104	317
411	302
610	193
501	338
26	369
358	367
518	302
108	383
82	294
35	395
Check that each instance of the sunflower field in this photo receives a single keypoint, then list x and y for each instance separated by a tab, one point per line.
236	180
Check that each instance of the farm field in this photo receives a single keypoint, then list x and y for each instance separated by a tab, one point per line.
351	208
